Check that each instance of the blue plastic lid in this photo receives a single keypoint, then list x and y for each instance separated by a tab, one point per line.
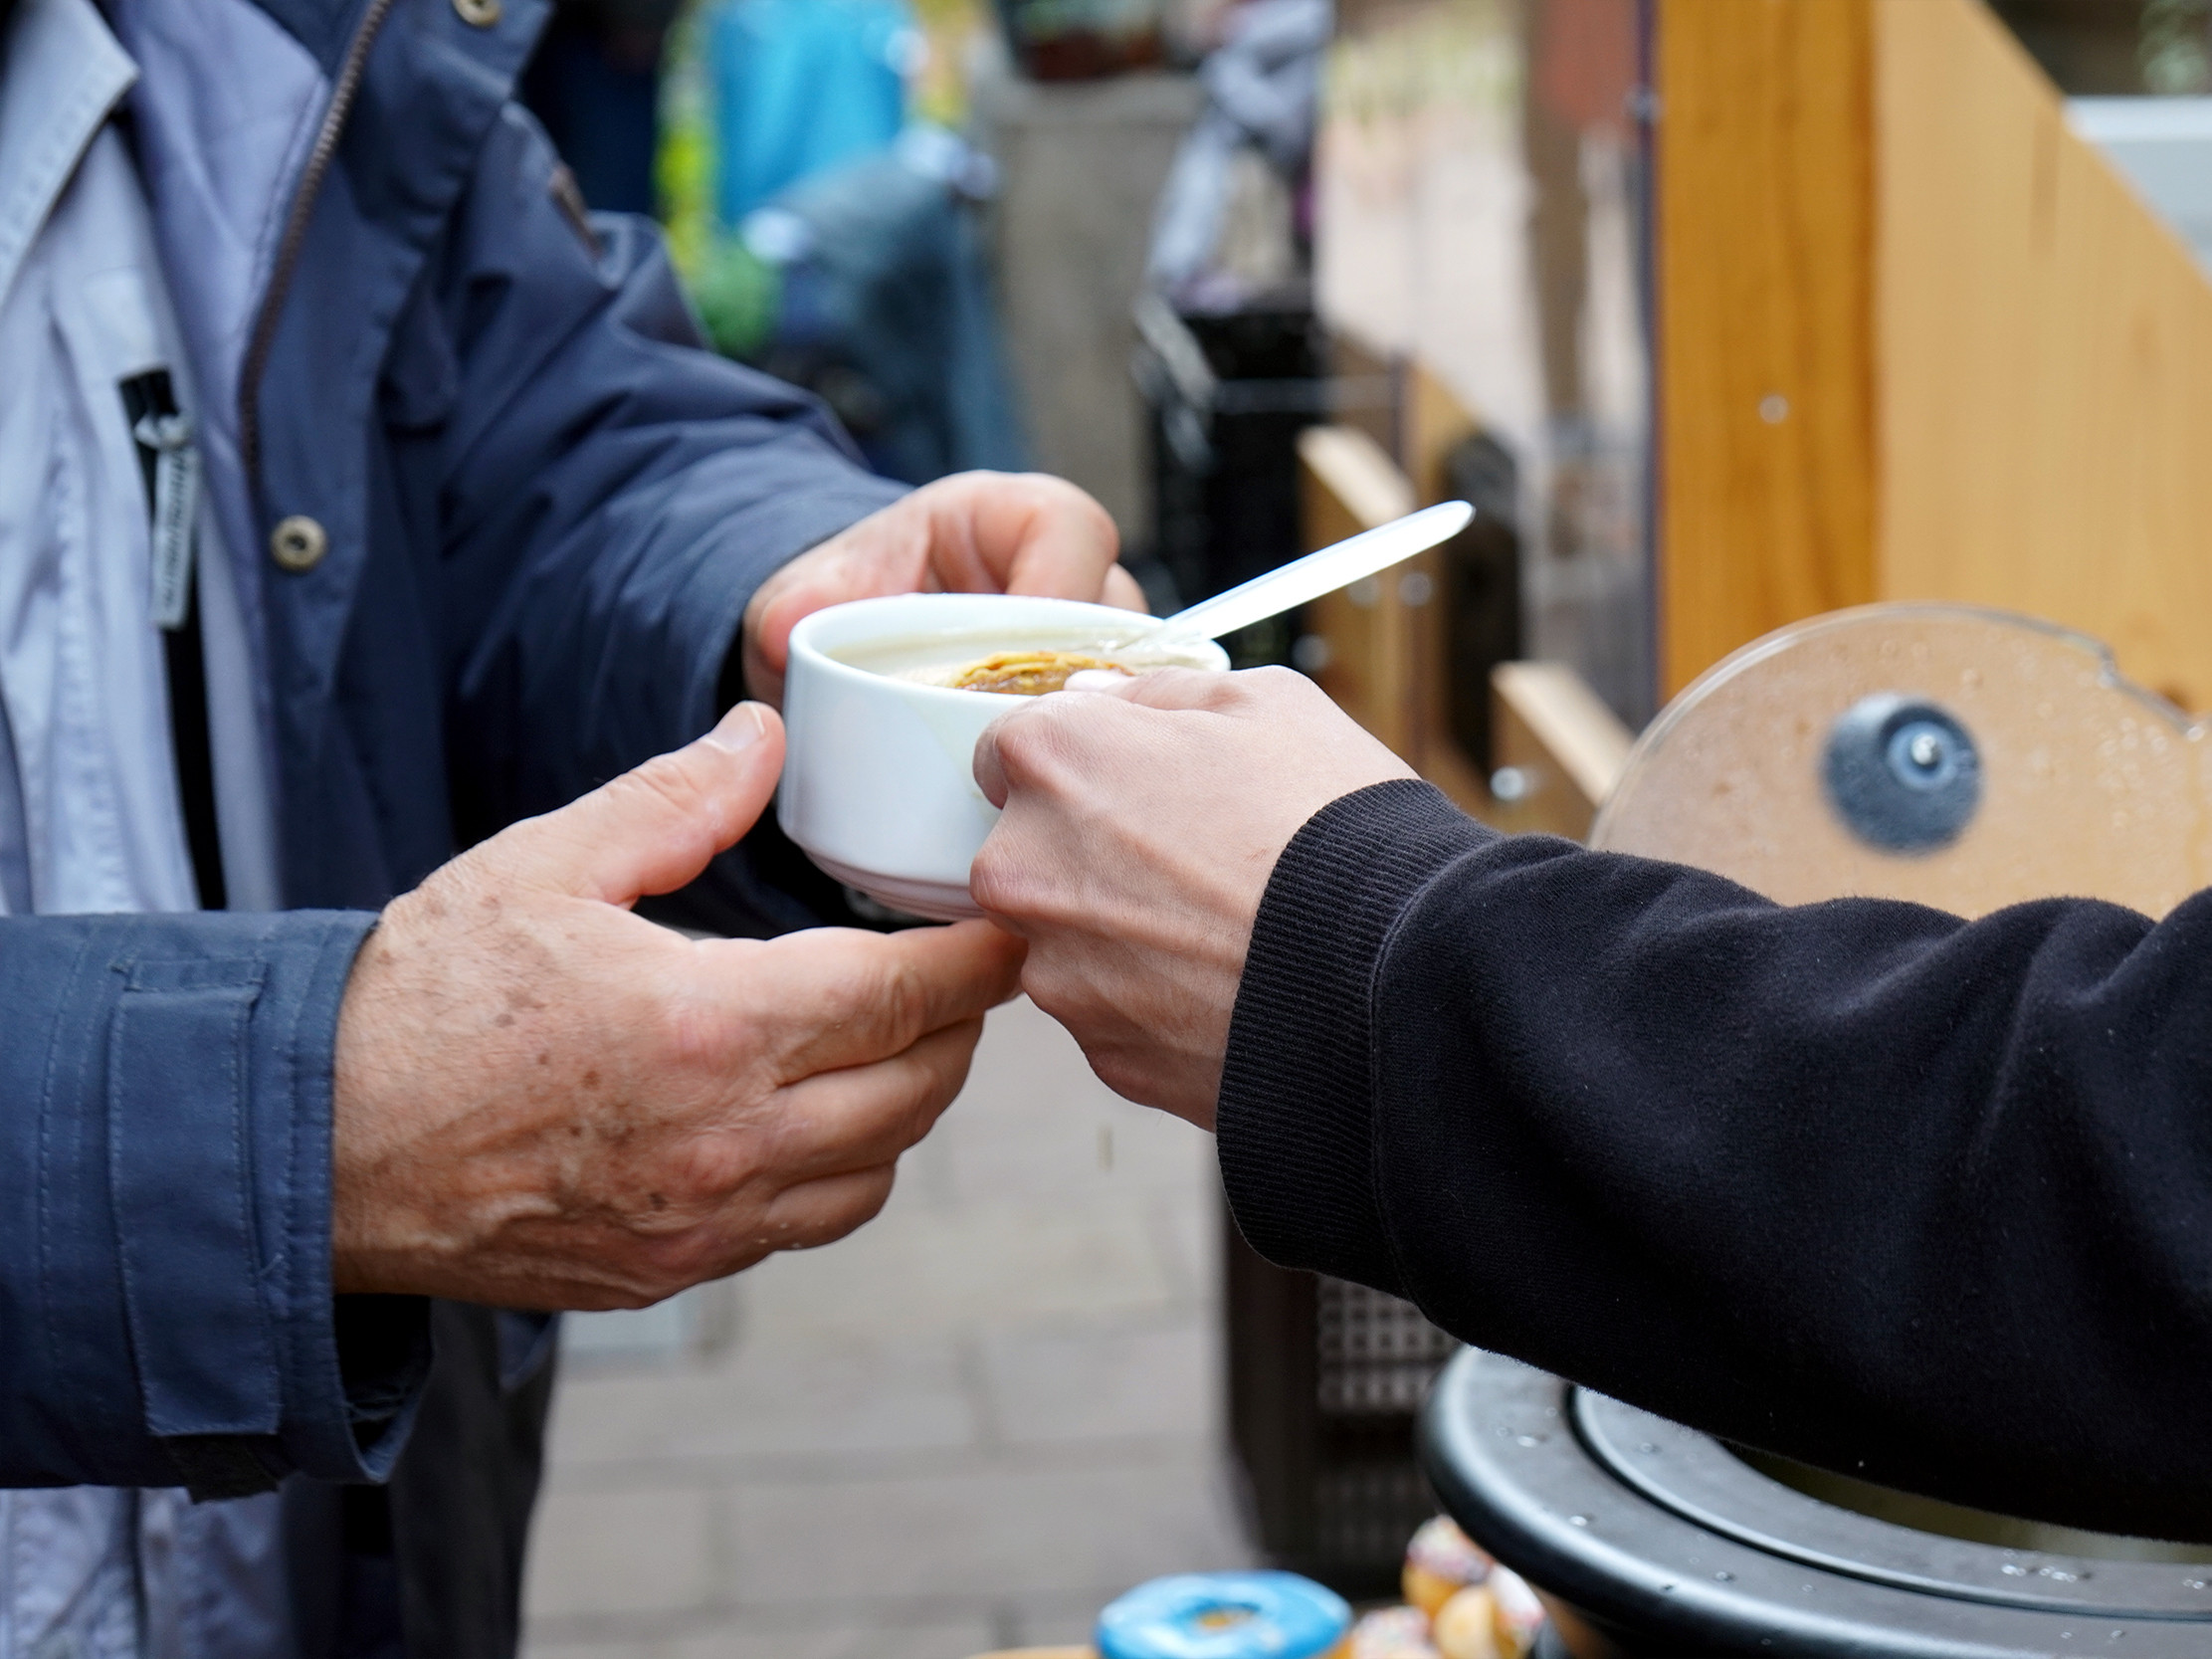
1224	1615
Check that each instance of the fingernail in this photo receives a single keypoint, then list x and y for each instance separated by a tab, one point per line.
740	728
1096	680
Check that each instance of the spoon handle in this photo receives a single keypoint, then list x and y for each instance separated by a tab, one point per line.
1317	573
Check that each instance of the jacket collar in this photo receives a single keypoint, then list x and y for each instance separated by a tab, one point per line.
61	77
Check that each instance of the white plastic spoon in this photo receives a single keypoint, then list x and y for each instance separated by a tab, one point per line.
1336	566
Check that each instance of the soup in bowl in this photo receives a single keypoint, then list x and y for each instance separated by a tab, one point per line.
883	702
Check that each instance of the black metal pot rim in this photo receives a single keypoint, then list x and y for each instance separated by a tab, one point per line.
1700	1479
1650	1527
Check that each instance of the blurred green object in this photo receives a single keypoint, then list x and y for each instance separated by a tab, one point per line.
862	279
735	292
738	296
684	172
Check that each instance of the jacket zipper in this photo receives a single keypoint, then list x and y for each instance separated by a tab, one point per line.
287	263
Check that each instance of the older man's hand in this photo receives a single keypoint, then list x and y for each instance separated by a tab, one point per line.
542	1101
973	532
1142	821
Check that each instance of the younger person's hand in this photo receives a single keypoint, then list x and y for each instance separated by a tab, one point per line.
1141	820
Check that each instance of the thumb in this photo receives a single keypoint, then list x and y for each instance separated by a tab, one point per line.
654	828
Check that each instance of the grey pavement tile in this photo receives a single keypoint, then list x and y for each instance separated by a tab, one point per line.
1058	1620
738	1637
916	1271
1000	1397
1000	1531
1102	1151
848	1396
630	1336
1033	1118
1025	1052
925	1170
1187	1233
621	1551
1096	1381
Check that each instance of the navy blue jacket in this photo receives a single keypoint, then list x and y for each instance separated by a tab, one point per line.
546	509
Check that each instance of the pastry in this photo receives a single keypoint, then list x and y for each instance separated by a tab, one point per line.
1440	1561
1392	1633
1518	1616
1027	673
1466	1627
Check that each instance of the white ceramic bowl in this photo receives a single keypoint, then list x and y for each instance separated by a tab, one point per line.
879	776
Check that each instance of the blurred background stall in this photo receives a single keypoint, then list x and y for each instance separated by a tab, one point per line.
1725	313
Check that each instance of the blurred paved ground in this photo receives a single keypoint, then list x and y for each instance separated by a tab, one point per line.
965	1427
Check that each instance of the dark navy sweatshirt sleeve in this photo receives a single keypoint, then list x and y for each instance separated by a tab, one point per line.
1917	1200
166	1314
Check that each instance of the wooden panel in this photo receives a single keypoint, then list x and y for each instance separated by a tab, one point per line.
1433	421
1564	744
1363	483
1764	298
1350	484
2045	357
1383	636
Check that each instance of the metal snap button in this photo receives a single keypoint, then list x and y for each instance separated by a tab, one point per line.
477	14
298	544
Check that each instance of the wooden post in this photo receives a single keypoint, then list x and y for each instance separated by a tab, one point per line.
2045	365
1561	746
1351	484
1384	638
1764	256
1917	341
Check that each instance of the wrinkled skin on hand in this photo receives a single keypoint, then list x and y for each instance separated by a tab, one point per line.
542	1101
1142	821
973	532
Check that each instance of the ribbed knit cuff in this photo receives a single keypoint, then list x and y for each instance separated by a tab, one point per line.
1295	1119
